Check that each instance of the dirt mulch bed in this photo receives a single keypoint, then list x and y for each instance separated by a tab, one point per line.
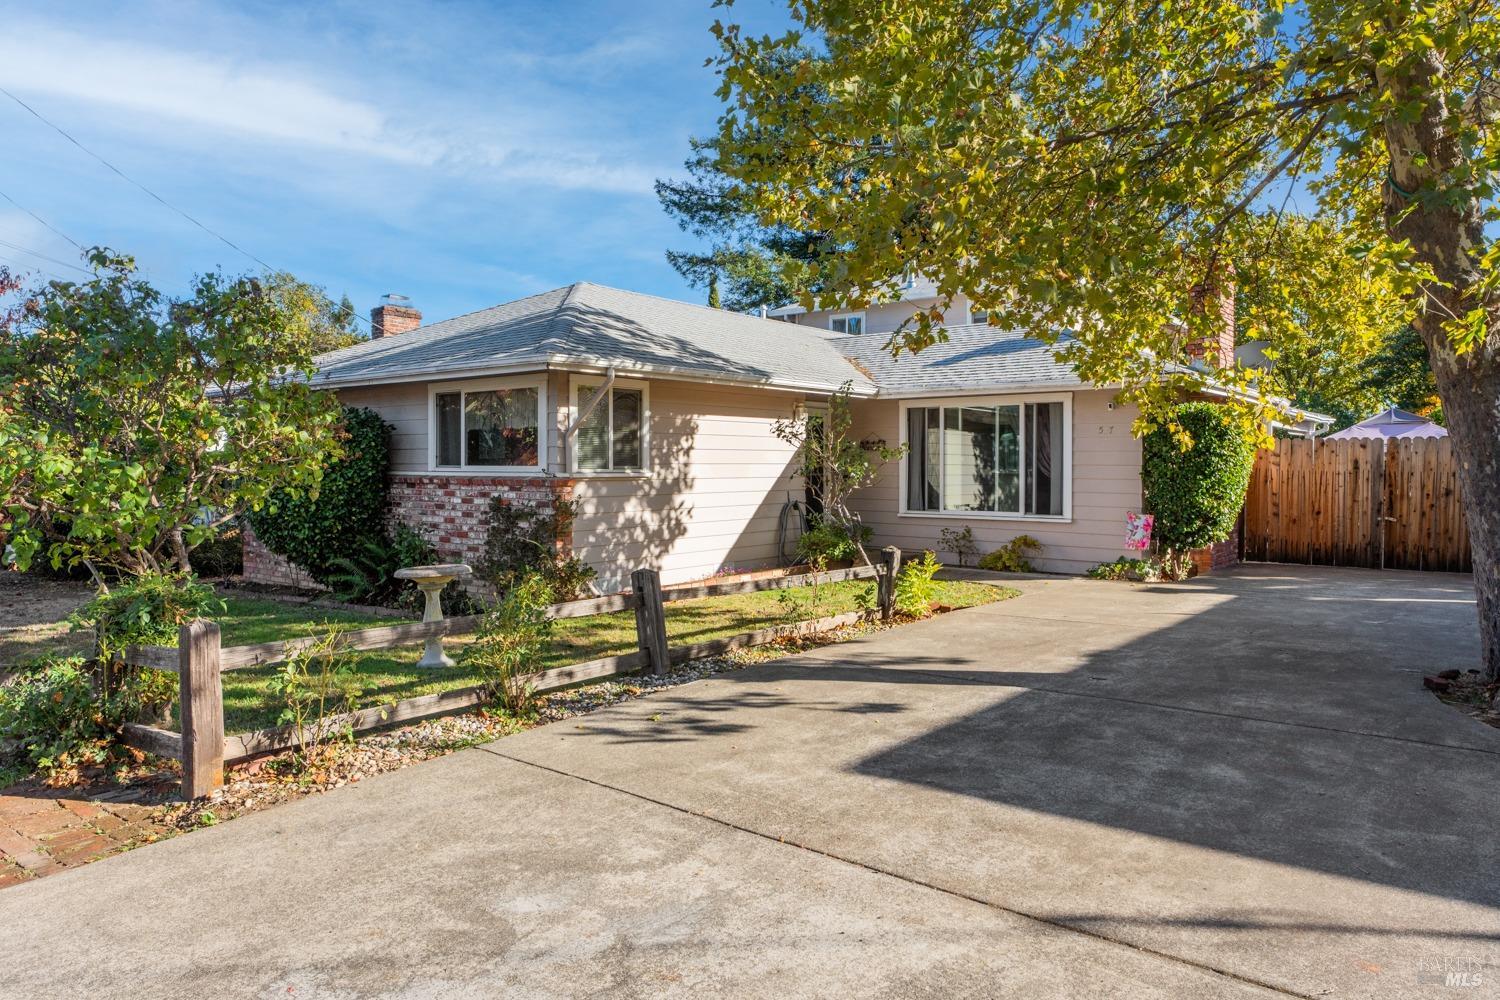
32	613
1469	693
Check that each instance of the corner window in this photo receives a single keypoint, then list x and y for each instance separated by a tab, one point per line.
854	323
488	426
991	458
612	437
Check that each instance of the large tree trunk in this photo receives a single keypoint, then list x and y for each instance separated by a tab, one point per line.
1469	387
1447	235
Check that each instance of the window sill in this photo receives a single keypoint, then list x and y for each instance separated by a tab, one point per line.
610	474
499	472
987	515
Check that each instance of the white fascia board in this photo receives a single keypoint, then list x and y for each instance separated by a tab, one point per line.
989	389
598	365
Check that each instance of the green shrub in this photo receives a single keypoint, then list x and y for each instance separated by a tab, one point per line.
511	637
1126	568
828	541
1012	557
314	684
523	539
145	611
915	586
1196	495
315	532
53	714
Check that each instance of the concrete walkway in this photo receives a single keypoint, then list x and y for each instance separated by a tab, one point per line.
1233	787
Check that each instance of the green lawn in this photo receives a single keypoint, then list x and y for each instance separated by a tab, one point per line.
391	675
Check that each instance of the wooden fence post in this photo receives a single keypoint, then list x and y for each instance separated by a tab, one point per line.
885	585
650	618
202	701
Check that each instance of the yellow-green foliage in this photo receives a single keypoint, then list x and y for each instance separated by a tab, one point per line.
1012	557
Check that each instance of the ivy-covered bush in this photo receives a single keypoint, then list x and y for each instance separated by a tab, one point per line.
523	539
316	532
1196	495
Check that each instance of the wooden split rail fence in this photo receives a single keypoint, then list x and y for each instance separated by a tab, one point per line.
199	661
1384	504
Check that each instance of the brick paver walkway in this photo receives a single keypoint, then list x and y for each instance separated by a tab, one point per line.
42	835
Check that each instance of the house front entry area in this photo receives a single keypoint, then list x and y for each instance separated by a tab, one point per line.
1230	787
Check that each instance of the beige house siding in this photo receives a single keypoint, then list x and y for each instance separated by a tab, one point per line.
1106	483
885	318
713	496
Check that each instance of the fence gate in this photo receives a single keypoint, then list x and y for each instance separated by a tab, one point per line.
1387	504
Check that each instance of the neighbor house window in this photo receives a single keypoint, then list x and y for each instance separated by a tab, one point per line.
852	323
987	458
979	316
488	426
612	438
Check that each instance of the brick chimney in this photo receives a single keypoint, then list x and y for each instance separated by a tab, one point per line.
1215	298
394	315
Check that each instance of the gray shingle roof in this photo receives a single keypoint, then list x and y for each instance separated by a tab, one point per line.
975	356
590	324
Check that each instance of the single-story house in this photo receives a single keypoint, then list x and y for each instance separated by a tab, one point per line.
676	466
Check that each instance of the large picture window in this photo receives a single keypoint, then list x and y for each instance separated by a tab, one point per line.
988	458
488	426
612	438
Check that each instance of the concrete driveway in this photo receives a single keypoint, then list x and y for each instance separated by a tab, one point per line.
1233	787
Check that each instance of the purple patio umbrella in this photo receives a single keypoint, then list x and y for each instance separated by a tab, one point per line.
1391	423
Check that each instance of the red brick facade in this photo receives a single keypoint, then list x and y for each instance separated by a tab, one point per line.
450	511
1220	555
264	566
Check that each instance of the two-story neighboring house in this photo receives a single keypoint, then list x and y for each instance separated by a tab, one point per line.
658	418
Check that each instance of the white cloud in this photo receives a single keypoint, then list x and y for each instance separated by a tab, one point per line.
162	90
270	103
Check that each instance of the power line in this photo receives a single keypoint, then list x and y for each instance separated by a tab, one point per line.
32	267
37	253
126	177
43	221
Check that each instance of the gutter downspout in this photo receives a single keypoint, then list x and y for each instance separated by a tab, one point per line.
587	409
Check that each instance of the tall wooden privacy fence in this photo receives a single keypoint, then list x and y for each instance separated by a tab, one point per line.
1384	504
199	661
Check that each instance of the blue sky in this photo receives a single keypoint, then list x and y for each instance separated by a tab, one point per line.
461	153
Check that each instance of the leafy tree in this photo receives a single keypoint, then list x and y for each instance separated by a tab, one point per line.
326	325
1096	168
132	427
760	265
829	456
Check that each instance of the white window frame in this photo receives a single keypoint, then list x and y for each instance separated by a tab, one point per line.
1019	401
435	389
848	316
973	314
578	385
